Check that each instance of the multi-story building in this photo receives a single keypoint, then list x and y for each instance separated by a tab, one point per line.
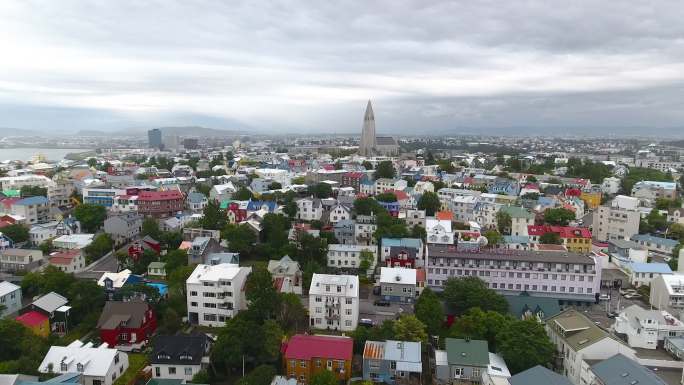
309	209
364	229
353	179
305	355
385	184
101	196
642	273
619	220
334	302
123	228
521	219
569	277
160	203
127	325
34	209
647	328
125	204
10	298
68	260
618	370
651	190
398	284
344	232
287	275
575	239
415	218
350	256
20	260
404	252
216	293
463	362
439	231
579	341
667	292
98	365
340	212
656	244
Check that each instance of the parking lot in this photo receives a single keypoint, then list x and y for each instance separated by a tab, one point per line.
368	309
599	312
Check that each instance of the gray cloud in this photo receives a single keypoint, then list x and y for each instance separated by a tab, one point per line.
309	66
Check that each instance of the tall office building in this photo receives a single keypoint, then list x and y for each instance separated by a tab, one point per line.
367	145
154	137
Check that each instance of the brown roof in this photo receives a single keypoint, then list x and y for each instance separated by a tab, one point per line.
115	312
449	251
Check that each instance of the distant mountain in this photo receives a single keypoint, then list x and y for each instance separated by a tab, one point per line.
180	130
8	131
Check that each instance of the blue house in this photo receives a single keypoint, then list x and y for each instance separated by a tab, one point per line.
506	187
269	206
392	362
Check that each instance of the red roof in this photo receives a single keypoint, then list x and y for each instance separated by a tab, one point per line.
573	192
444	215
563	231
8	202
305	347
64	257
354	175
160	195
32	318
400	195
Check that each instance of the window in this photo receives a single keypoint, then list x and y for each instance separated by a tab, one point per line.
348	323
188	371
63	366
458	372
476	373
302	364
116	358
157	372
172	370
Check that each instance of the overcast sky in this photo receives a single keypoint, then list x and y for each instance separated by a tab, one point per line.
309	66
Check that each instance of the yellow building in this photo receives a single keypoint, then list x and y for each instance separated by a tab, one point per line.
591	199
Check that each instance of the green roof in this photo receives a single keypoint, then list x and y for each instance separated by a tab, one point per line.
224	204
517	212
12	193
467	352
578	330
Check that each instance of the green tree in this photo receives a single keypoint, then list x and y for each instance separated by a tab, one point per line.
46	247
385	169
524	344
429	202
270	336
275	230
480	325
90	216
551	238
429	311
292	315
101	245
558	216
504	222
243	194
203	377
175	259
241	238
464	293
656	220
261	375
92	162
367	165
321	190
33	191
275	186
213	218
171	323
171	239
150	227
366	206
261	294
366	258
409	328
386	197
16	232
494	238
418	231
324	377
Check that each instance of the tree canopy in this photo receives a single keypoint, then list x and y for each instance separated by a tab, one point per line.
385	169
558	216
90	216
16	232
429	311
464	293
429	202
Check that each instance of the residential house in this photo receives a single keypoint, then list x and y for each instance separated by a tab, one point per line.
37	322
216	293
364	229
415	218
651	190
197	202
647	329
287	275
353	179
222	192
578	340
575	239
200	248
620	370
497	372
392	362
334	302
101	196
528	307
54	306
569	277
97	366
344	232
439	231
643	273
10	298
70	261
123	228
34	209
113	282
521	219
180	356
160	203
387	185
350	256
398	284
156	269
659	245
464	361
339	213
309	209
305	355
405	252
611	185
539	375
73	241
127	325
619	220
20	260
667	292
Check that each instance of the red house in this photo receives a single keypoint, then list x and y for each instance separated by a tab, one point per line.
236	212
137	249
127	324
160	203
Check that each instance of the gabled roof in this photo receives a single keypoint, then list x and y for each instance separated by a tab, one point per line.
38	200
180	349
306	347
32	318
518	305
620	370
95	361
7	287
50	302
578	331
539	375
132	313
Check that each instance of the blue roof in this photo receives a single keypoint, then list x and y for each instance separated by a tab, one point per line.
196	197
32	201
162	288
67	378
661	268
415	243
620	370
516	239
656	240
257	205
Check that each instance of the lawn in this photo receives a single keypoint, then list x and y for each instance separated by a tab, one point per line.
136	362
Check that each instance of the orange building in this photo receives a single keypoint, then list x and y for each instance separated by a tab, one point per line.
591	199
37	322
306	355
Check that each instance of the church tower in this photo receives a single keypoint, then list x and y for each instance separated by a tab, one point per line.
368	141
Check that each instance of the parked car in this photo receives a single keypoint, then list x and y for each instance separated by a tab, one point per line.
366	322
633	296
627	291
611	314
604	297
376	290
381	302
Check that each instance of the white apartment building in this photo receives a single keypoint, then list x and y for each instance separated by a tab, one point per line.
619	220
349	256
364	228
334	302
415	218
309	209
463	207
340	212
10	298
439	231
667	293
215	293
645	328
385	184
566	276
578	340
98	366
610	185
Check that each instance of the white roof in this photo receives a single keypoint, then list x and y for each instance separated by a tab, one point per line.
96	361
497	366
441	358
214	273
431	223
350	284
80	240
347	247
118	279
676	280
7	287
398	275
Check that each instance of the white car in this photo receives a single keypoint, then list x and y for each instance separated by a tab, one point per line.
631	296
604	297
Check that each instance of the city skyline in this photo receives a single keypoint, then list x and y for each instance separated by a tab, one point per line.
454	67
